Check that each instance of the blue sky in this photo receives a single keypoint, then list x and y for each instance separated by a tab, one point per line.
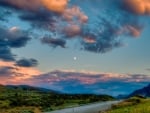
80	39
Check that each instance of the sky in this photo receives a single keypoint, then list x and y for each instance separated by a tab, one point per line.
74	46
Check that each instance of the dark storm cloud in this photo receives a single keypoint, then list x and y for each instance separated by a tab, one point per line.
11	38
27	62
54	42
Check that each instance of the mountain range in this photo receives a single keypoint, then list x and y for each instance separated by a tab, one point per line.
142	92
145	91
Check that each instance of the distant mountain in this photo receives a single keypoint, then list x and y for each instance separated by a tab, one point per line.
30	88
121	96
143	92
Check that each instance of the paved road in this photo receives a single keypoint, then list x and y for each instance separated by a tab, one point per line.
91	108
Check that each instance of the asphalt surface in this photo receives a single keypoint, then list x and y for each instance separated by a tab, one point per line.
90	108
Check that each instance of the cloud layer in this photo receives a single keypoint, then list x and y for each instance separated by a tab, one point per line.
91	82
10	73
74	82
97	30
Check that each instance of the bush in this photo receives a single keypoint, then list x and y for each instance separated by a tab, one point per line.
27	111
135	100
129	102
4	104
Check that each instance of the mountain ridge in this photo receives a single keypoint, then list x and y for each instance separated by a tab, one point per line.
27	88
145	91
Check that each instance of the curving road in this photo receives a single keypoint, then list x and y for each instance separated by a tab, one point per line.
91	108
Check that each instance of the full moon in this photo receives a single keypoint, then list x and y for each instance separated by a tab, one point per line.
74	58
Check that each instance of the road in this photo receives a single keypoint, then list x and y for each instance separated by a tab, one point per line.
91	108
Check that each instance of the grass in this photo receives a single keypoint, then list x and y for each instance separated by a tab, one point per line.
20	100
21	110
132	105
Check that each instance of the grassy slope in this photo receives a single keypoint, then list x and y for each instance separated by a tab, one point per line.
18	100
132	105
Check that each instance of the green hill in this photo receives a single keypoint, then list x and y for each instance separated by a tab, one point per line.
136	104
29	99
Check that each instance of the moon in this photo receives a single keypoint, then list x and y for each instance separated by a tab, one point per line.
74	58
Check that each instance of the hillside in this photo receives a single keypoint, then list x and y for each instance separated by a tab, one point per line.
143	92
30	88
28	98
135	104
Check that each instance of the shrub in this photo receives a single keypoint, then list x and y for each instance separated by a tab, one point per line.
4	104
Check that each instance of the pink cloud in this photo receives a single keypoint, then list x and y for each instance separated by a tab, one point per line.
140	7
130	30
16	74
89	39
74	12
86	77
72	30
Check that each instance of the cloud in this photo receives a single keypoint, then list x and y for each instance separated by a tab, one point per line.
89	39
54	42
45	11
139	7
33	5
55	5
134	31
75	12
91	82
27	62
98	30
72	30
24	4
90	77
12	74
17	38
5	53
14	37
6	71
11	38
52	5
72	81
41	19
104	37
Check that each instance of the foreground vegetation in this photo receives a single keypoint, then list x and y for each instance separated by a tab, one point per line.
32	100
135	104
